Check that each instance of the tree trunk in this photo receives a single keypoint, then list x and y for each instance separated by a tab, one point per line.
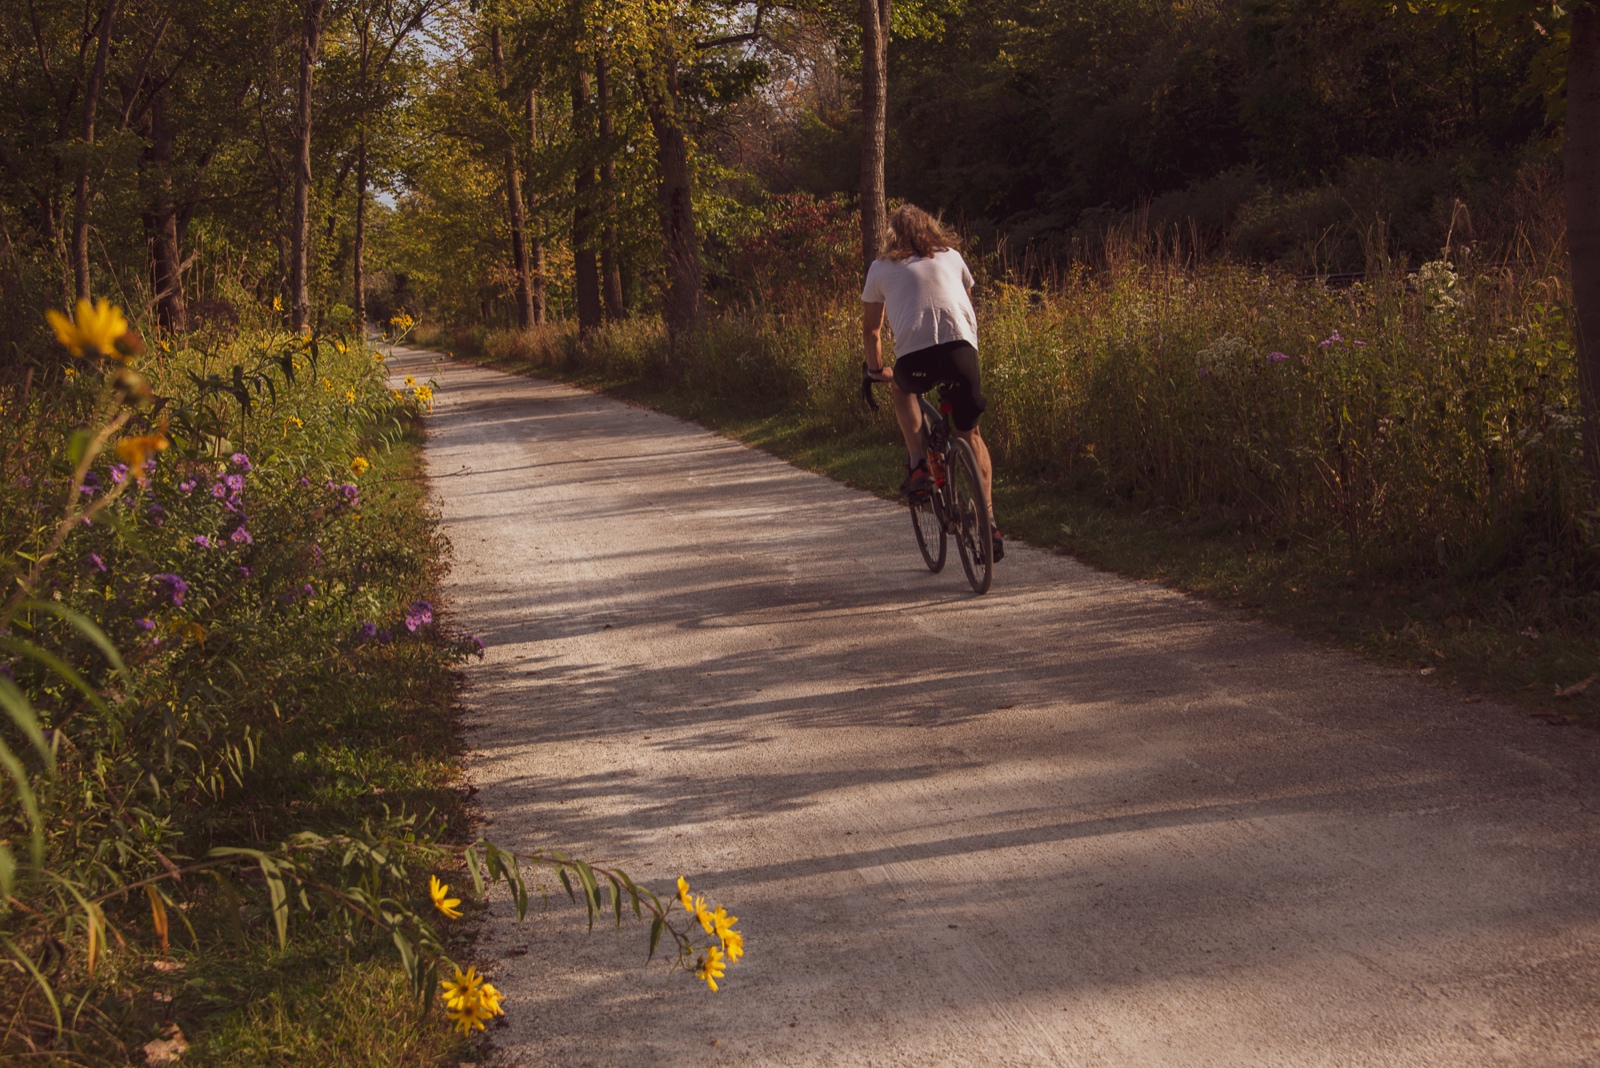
674	198
536	250
359	268
874	123
91	102
519	222
300	220
586	277
166	246
610	270
1580	161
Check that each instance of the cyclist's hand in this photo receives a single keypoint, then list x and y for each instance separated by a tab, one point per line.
882	374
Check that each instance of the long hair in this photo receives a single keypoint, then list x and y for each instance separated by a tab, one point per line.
913	232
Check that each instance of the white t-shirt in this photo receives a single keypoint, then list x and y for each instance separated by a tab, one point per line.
925	299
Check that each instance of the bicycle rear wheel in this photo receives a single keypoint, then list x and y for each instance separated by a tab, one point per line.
969	520
930	531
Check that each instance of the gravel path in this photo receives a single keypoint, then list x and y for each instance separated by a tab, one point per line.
1078	821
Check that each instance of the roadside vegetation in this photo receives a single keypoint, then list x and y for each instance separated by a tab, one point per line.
1394	463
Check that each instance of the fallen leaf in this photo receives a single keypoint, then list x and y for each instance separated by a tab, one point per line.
164	1051
167	965
1576	688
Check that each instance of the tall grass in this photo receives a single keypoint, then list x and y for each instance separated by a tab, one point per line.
1415	425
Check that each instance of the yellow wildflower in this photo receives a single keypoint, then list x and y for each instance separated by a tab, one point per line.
733	944
359	465
277	304
710	967
94	326
70	372
327	384
683	894
136	450
410	381
440	892
295	419
469	1002
424	395
349	396
722	923
339	347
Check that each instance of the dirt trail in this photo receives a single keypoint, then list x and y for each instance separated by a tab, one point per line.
1078	821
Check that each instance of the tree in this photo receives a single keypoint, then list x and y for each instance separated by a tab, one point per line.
313	14
874	125
519	225
1581	166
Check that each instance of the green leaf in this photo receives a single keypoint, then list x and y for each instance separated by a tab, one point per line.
656	927
83	625
78	446
30	804
280	901
23	717
474	867
567	883
591	890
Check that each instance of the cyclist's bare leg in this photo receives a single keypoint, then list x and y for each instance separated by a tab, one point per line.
909	415
985	468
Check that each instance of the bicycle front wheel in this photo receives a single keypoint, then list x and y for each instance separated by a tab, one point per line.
930	532
969	519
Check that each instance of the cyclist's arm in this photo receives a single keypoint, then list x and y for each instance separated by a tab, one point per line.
872	338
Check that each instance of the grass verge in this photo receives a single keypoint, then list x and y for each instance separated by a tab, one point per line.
1467	636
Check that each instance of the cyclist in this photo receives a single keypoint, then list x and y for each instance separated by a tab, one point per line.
924	285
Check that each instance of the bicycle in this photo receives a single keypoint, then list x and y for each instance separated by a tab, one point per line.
955	506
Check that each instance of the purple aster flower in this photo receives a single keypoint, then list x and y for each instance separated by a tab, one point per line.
96	563
119	473
144	624
305	483
241	461
352	495
156	512
367	631
384	637
240	536
5	669
235	483
202	541
1277	357
476	645
218	490
244	572
419	614
187	486
308	590
1358	342
316	552
174	587
91	484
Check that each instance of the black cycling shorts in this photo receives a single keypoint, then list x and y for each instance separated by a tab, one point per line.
952	363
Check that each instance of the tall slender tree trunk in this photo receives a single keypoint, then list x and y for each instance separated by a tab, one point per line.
536	246
519	221
166	246
359	268
586	277
1580	160
610	268
300	219
874	125
675	200
91	103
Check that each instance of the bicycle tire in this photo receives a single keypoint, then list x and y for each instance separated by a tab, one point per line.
970	516
931	538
